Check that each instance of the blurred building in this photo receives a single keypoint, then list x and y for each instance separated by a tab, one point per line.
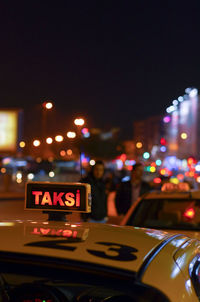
174	134
147	132
182	125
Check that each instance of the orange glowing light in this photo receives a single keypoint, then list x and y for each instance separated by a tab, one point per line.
139	145
62	153
3	170
69	152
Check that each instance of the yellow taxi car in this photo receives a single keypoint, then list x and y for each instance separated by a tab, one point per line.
57	261
175	208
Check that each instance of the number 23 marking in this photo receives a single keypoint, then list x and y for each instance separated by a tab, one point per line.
115	251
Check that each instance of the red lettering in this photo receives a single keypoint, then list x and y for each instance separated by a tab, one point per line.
67	233
44	231
56	232
70	201
57	198
78	198
35	231
46	199
75	234
37	195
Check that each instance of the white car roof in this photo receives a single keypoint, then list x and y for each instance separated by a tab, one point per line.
119	247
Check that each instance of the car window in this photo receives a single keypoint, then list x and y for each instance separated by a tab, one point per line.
167	213
21	282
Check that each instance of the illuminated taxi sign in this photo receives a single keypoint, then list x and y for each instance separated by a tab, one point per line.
66	197
171	187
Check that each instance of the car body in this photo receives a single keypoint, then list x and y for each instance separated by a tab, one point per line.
56	260
60	261
173	210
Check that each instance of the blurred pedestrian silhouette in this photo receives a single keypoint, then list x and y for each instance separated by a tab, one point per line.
129	191
98	192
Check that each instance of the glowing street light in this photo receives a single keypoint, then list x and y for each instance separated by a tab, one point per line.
49	140
36	143
22	144
62	153
79	122
184	135
59	138
48	105
139	145
69	152
71	134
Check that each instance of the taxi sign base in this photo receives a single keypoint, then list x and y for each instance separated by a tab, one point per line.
56	216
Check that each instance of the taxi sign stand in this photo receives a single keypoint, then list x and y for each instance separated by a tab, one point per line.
57	216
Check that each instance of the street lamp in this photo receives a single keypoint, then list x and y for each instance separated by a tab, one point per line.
47	105
79	122
59	138
71	134
36	143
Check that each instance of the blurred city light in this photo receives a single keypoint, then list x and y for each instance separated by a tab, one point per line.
62	153
59	138
184	135
3	170
69	152
158	162
146	155
22	144
191	91
49	140
171	109
48	105
51	174
85	132
166	119
92	162
163	141
180	99
79	121
71	134
30	176
139	145
157	180
36	143
175	102
38	160
163	149
152	169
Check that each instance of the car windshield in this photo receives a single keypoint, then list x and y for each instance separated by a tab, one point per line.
167	213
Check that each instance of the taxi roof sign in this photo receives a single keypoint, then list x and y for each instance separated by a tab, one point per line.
171	187
53	196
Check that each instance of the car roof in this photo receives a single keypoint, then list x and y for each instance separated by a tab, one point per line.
193	194
118	247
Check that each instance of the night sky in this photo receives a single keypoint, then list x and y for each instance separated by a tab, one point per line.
111	61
